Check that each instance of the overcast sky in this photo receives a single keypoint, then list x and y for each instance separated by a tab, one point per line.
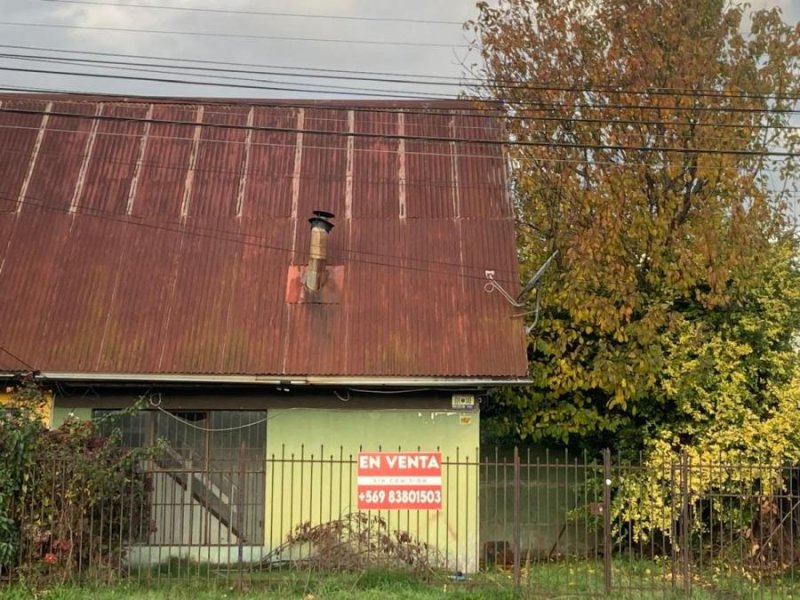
436	49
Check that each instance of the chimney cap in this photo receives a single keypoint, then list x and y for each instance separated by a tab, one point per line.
323	214
322	223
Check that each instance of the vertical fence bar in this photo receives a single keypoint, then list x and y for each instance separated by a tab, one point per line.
240	508
607	582
517	527
685	525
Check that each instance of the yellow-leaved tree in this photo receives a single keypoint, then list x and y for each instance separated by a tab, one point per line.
656	148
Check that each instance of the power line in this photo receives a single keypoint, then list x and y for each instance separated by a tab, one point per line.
258	12
257	144
225	73
18	359
419	79
245	36
476	111
214	73
233	64
554	106
268	176
278	71
236	238
273	88
306	146
404	137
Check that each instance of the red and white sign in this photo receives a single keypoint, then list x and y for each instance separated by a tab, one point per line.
399	480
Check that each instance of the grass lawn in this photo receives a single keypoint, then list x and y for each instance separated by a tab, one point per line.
368	586
556	580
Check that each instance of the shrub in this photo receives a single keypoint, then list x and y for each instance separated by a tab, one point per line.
71	499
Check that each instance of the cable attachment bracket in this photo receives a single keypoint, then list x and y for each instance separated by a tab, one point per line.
492	285
520	301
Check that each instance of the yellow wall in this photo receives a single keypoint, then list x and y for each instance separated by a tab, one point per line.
311	475
46	411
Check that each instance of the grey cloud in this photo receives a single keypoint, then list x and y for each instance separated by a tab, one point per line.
385	59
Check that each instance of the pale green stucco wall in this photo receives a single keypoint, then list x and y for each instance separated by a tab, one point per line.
308	483
60	414
319	484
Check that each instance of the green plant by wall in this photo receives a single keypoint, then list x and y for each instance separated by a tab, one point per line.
20	429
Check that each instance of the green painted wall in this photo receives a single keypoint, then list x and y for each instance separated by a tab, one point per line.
311	473
60	414
311	477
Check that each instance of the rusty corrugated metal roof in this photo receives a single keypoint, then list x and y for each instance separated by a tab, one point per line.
147	242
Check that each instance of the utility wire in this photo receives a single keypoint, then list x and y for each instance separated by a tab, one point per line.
258	12
553	105
228	74
418	79
233	64
157	405
407	109
353	256
269	176
370	149
181	71
244	36
272	88
18	359
404	137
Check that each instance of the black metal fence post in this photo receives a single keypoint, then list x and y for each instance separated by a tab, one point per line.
607	583
240	507
517	528
685	527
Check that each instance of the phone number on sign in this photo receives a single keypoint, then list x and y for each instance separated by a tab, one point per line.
403	496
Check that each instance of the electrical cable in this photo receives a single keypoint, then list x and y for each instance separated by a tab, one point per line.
163	69
456	126
293	68
157	406
405	137
18	359
213	73
481	108
556	106
258	12
357	109
268	176
241	36
184	230
271	88
418	79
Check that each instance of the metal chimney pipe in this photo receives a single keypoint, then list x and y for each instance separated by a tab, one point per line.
318	251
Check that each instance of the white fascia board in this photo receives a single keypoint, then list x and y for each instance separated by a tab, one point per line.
343	381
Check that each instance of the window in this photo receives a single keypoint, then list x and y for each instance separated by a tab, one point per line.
208	483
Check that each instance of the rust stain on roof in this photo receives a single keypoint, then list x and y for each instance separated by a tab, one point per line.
165	247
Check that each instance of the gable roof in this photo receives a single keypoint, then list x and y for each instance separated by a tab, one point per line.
157	237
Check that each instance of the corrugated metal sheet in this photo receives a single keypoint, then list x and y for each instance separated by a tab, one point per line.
136	247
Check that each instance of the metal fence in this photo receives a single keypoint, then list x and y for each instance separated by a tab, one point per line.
547	523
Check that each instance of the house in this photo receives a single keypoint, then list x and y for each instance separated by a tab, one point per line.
161	248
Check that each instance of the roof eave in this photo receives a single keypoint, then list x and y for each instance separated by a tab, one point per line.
291	380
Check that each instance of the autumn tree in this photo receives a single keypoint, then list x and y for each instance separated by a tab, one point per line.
655	149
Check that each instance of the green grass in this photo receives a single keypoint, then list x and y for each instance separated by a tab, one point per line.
367	586
566	580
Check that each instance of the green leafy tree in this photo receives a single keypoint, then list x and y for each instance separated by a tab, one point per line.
657	155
